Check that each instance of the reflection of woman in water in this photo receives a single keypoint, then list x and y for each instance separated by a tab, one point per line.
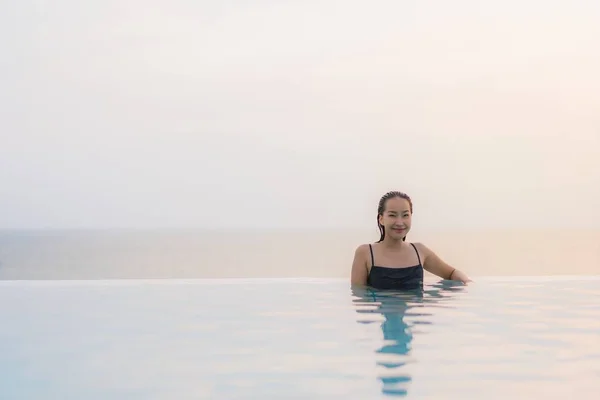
392	263
394	306
397	334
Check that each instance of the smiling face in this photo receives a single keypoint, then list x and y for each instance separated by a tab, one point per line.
395	218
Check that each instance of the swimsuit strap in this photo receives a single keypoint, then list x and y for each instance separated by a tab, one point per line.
372	258
417	251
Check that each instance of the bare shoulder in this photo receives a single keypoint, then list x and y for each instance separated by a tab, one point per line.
362	250
423	249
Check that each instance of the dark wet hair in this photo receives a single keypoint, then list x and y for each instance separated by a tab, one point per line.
381	208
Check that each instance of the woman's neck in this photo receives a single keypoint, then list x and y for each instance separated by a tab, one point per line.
393	243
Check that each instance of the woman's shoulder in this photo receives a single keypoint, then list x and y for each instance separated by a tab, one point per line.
363	250
422	248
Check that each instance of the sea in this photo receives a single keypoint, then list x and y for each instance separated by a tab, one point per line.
168	314
168	254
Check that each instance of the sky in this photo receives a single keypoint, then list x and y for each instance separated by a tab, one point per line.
298	115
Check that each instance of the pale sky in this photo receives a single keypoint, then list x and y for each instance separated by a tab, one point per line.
260	114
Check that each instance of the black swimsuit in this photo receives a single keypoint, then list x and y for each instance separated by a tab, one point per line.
407	278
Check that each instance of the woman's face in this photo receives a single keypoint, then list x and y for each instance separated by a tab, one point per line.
396	218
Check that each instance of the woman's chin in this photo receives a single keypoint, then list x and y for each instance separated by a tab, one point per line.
397	236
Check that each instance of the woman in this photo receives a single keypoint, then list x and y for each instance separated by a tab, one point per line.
392	263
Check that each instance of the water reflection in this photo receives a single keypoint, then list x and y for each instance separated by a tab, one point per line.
397	329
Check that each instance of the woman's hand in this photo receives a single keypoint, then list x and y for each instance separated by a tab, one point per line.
461	276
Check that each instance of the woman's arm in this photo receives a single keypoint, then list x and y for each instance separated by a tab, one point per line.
358	276
437	266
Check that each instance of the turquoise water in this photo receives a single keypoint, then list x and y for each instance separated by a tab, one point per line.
298	339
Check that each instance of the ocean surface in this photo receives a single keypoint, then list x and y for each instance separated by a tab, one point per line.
280	254
503	338
240	315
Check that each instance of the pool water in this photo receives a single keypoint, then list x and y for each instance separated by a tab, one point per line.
525	338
